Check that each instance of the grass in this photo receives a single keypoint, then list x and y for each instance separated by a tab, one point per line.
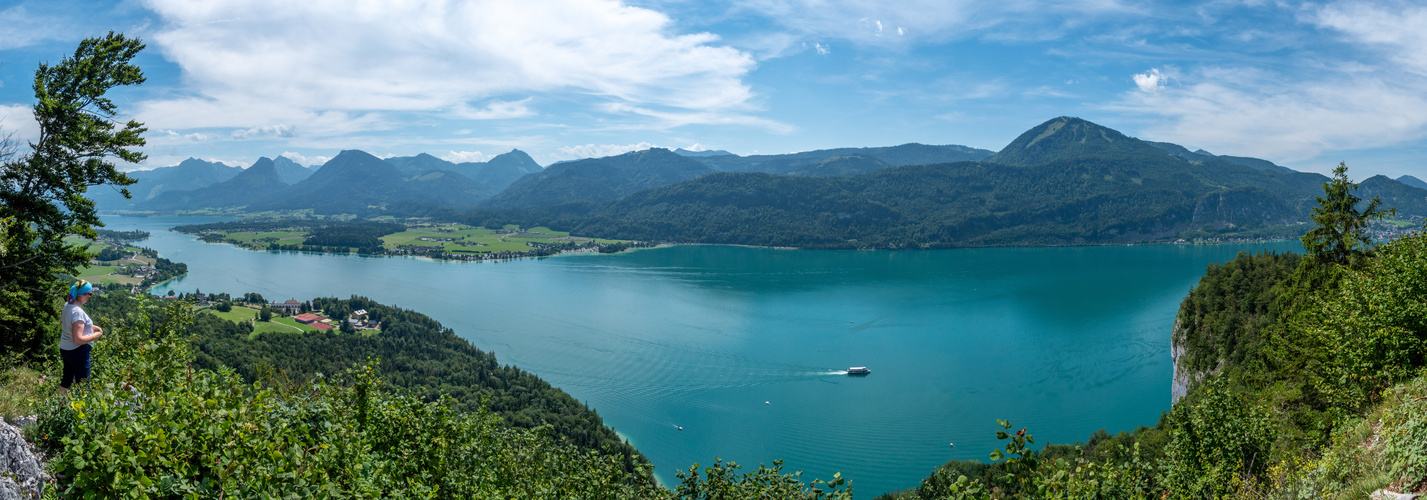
490	241
103	274
290	325
239	314
22	388
464	239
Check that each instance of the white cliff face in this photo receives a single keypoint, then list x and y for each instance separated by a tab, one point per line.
1184	379
1179	386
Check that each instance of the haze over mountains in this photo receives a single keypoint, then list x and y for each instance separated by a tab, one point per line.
1066	181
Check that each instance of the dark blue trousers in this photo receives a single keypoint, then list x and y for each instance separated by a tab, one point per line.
76	365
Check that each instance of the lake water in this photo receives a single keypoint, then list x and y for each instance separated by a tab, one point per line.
1061	340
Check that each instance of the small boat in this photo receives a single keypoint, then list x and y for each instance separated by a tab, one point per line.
767	402
858	370
680	427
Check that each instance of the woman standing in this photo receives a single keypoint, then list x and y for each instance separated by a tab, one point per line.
79	331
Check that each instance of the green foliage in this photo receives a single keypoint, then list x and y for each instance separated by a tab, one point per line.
1229	316
1368	332
149	425
1341	233
419	356
1220	441
1063	472
111	254
722	481
357	234
41	193
1020	459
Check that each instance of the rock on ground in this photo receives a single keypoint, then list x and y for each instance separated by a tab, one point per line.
21	477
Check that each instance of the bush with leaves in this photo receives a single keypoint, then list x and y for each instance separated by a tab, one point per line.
722	481
1220	442
1370	331
148	424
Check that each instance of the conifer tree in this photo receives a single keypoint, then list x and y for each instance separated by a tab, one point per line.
1341	236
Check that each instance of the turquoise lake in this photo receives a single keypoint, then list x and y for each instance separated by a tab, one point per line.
1063	340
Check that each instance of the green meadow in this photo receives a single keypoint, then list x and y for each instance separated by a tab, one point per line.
241	314
102	271
471	239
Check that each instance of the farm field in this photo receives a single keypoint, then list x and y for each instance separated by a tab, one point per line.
241	314
101	272
458	238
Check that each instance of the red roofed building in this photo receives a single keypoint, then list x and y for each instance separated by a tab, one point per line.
307	318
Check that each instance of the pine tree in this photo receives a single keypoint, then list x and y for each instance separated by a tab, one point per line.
1341	236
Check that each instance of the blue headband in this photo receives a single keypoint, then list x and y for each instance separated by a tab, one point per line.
80	287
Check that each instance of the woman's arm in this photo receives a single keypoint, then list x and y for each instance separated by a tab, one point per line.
76	331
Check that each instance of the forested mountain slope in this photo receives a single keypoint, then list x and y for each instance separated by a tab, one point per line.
1064	182
253	185
906	154
599	179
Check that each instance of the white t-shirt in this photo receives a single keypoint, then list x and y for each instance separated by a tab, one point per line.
72	313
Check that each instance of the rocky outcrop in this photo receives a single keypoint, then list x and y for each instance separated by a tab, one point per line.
1184	378
21	477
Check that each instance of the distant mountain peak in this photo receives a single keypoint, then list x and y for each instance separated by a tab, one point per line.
1065	137
1412	181
263	163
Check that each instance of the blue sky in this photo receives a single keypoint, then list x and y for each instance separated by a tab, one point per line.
1304	84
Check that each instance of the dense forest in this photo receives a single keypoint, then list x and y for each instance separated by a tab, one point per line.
417	354
357	234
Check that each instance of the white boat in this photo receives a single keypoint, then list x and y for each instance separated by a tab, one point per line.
858	370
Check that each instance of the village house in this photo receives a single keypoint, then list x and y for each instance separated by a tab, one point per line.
291	306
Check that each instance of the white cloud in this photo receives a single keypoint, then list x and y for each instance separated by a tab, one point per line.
1150	81
1249	112
822	50
19	120
170	137
1399	28
284	131
328	67
1372	94
599	150
299	159
667	119
465	157
496	110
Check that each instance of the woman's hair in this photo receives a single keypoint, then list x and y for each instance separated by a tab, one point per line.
80	287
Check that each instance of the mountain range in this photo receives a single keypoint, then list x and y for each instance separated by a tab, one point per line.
1064	182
